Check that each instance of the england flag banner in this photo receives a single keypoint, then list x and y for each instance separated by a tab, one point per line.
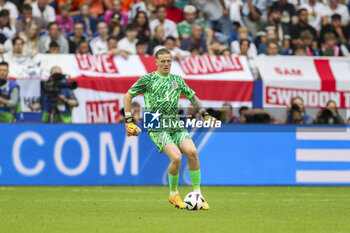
316	80
103	80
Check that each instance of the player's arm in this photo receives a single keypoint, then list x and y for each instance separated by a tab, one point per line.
199	107
131	128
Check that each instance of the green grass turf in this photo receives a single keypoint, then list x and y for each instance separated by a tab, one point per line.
146	209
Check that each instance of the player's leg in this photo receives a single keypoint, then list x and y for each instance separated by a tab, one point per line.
189	149
175	156
165	144
173	152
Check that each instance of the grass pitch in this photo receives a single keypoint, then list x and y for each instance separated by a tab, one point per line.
146	209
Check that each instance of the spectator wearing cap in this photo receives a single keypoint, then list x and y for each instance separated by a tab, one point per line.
334	7
170	27
54	48
243	34
76	37
274	22
316	14
116	9
146	6
195	40
302	25
185	26
158	39
217	16
289	14
141	23
90	23
53	35
170	44
98	45
128	43
12	8
173	13
255	13
115	28
27	17
43	10
64	20
5	26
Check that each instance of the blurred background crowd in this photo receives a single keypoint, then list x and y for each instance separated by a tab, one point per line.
214	27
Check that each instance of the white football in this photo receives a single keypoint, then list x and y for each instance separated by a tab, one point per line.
194	201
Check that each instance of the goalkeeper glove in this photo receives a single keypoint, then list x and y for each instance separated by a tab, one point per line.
209	118
131	128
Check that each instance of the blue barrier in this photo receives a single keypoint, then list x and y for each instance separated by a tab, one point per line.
43	154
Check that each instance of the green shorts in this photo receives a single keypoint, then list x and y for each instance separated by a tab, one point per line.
161	138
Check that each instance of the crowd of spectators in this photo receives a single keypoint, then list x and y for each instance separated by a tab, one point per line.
295	113
214	27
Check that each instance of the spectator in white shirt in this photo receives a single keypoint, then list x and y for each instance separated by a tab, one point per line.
12	8
337	8
98	45
128	43
43	10
6	27
53	35
169	26
316	13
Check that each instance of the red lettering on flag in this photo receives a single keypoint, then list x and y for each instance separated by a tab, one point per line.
102	111
210	64
286	71
312	98
97	63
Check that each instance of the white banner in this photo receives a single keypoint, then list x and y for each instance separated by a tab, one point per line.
316	80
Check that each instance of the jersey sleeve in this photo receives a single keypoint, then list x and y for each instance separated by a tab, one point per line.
186	90
140	86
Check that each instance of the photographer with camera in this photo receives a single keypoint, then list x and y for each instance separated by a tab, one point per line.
330	115
57	98
9	95
296	113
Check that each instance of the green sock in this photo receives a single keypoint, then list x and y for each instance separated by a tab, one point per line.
173	182
196	179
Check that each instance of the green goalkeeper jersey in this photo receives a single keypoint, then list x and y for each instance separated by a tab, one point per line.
162	94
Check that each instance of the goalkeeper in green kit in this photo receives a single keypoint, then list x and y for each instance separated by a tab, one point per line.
162	93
